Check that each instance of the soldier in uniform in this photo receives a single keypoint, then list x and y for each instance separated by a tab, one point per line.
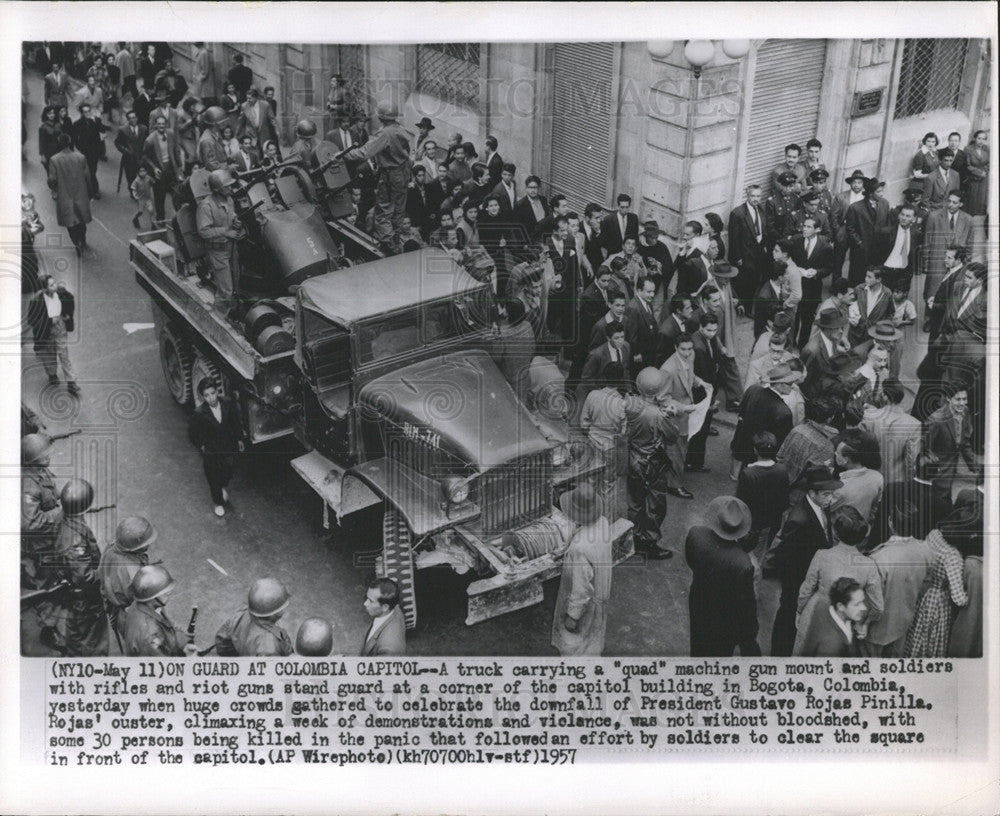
41	512
650	434
390	147
211	154
809	208
120	562
913	197
779	208
314	638
254	631
305	144
817	180
219	228
84	628
146	629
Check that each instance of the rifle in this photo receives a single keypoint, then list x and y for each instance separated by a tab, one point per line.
35	595
102	508
121	171
191	624
67	435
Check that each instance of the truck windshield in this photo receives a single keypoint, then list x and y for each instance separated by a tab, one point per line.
421	326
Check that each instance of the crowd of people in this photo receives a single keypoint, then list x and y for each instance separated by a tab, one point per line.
834	482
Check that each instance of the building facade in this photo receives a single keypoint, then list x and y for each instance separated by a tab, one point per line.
596	119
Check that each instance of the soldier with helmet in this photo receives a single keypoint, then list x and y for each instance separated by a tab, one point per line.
219	228
146	629
650	433
305	142
390	148
82	630
211	152
314	638
120	562
254	631
41	512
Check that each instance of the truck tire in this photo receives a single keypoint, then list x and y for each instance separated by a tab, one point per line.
176	357
201	368
397	561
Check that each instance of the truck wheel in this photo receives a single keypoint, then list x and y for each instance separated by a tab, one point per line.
397	561
175	357
201	368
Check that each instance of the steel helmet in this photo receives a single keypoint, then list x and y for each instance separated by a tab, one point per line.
387	111
77	496
213	115
151	582
305	128
134	534
33	447
649	382
220	179
267	597
314	638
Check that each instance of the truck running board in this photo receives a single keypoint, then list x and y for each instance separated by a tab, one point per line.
324	477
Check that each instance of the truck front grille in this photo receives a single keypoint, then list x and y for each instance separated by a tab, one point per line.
514	494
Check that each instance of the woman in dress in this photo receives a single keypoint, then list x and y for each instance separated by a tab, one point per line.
925	161
48	135
843	559
229	142
977	174
63	121
111	86
715	230
931	627
230	103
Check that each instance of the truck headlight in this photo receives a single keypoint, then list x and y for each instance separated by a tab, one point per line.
456	490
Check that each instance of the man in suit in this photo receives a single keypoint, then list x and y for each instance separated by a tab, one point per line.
679	384
241	77
832	634
528	213
57	86
823	346
874	303
494	161
69	179
246	158
722	604
148	67
955	259
656	257
142	104
790	166
763	409
417	204
216	431
170	80
386	637
129	140
256	120
863	221
202	73
616	312
763	486
162	155
809	208
615	349
88	135
692	265
942	181
838	218
619	225
672	325
897	245
641	325
505	190
805	531
898	434
344	136
813	254
595	303
591	228
949	438
564	294
946	227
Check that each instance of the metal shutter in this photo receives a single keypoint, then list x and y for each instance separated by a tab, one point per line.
581	122
785	104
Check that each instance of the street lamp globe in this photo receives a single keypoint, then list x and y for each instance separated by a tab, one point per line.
735	49
660	49
699	53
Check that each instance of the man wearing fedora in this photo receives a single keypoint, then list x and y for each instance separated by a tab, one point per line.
581	613
424	128
838	217
863	221
763	409
722	604
805	532
650	433
825	343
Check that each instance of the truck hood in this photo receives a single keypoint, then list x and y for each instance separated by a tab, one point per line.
460	403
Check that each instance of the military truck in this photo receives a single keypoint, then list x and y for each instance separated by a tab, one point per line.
383	372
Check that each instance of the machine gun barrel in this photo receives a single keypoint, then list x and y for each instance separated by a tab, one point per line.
67	435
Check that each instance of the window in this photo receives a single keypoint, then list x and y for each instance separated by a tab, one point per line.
930	76
450	71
